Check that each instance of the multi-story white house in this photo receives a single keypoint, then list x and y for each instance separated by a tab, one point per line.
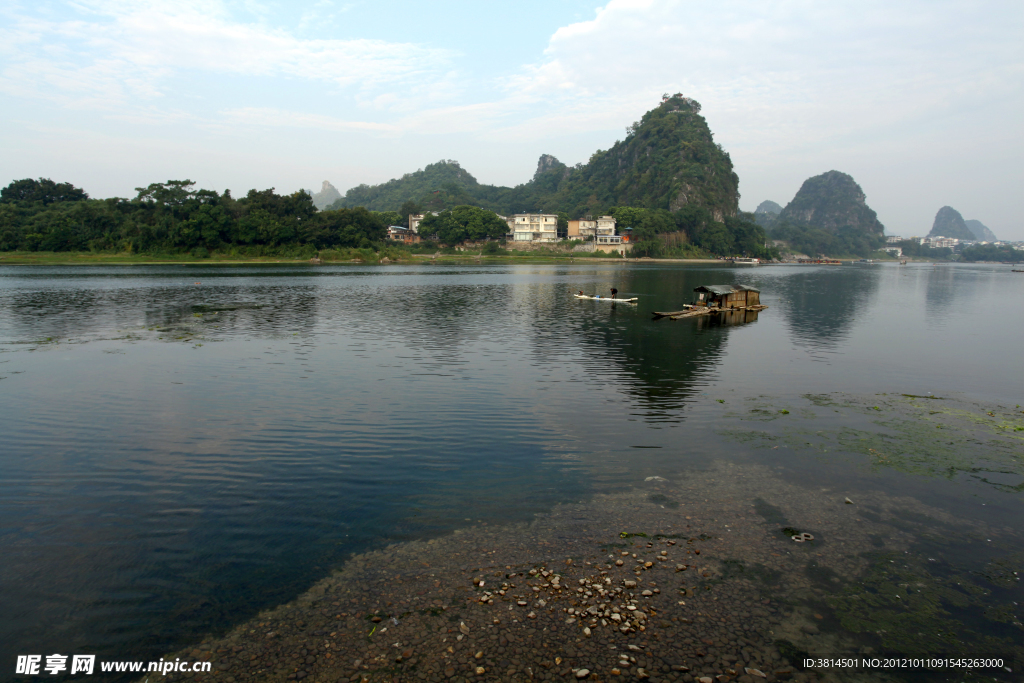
938	242
416	218
588	228
533	227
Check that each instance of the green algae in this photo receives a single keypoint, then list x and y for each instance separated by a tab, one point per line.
915	609
920	435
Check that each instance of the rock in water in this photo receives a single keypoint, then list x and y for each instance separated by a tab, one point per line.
949	223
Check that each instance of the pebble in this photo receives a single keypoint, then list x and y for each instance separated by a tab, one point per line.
713	634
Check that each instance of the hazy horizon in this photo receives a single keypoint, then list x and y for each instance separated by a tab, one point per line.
918	102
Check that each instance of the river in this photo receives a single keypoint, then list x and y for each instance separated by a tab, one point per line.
187	445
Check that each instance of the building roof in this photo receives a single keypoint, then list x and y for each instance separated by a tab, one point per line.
726	289
716	289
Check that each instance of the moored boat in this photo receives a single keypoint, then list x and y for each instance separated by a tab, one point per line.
632	300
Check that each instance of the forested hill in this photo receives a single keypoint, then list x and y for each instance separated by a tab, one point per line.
423	186
829	216
831	201
667	182
668	160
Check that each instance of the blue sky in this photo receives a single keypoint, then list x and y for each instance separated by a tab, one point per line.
920	101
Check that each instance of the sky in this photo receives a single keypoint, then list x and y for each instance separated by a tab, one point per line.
921	102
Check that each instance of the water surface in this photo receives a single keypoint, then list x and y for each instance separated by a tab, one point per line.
186	445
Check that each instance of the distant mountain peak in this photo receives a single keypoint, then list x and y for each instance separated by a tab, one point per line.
327	195
980	231
831	201
949	223
668	160
768	206
546	163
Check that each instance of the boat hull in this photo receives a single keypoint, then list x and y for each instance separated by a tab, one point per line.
607	298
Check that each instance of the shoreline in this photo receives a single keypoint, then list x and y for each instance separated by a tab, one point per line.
89	259
689	579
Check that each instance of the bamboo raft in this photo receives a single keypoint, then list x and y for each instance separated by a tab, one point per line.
696	311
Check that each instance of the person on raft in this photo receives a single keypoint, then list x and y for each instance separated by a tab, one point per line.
614	292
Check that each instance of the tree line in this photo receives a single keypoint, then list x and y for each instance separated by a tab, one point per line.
176	218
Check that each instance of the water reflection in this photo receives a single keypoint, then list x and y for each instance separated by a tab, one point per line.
154	489
822	304
950	287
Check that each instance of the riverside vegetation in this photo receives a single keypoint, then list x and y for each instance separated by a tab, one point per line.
668	182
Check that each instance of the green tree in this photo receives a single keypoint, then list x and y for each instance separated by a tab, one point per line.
391	217
464	223
563	225
173	193
408	208
43	190
347	228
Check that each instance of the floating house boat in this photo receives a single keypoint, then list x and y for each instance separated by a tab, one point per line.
718	299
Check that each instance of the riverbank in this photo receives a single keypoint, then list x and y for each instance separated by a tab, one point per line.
88	258
694	579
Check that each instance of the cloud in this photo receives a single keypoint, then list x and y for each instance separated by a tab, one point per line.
120	51
852	64
260	116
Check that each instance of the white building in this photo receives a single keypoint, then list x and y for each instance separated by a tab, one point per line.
893	239
416	218
938	242
588	228
533	227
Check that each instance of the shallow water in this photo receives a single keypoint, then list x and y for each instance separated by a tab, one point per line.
187	445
